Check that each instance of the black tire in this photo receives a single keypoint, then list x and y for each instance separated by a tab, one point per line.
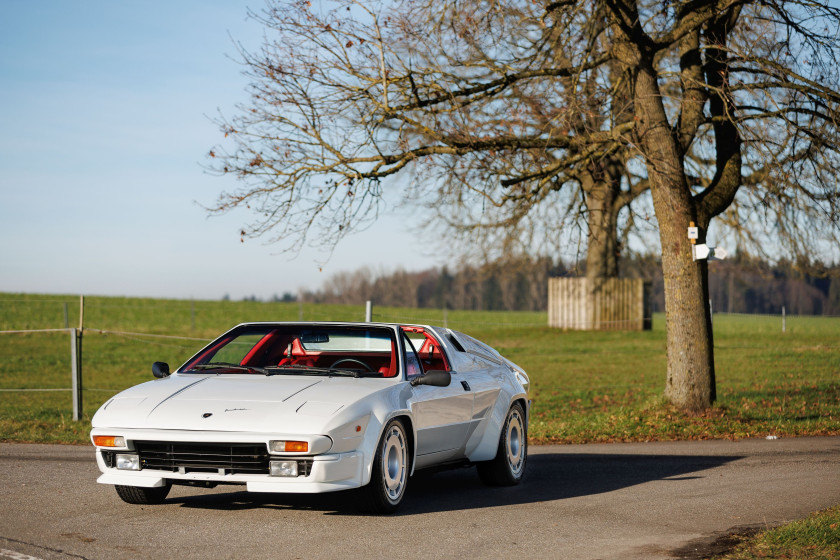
508	467
389	475
139	495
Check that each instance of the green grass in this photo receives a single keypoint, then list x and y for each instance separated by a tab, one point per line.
608	386
814	538
586	386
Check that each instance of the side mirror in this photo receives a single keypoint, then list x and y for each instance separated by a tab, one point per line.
160	370
435	378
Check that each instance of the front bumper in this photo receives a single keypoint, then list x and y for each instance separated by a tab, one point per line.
164	462
329	473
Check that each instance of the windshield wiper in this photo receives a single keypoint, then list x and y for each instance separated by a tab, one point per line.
272	370
226	365
310	370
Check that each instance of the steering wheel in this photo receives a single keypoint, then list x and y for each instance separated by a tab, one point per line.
352	361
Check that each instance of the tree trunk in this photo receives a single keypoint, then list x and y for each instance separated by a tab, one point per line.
690	383
602	245
602	249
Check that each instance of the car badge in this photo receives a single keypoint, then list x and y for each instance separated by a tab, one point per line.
207	415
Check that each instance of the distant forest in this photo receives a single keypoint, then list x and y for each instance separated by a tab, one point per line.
738	285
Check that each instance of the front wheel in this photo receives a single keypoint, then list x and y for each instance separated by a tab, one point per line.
508	467
390	470
140	495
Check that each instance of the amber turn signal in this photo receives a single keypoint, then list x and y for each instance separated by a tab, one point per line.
297	446
109	441
289	446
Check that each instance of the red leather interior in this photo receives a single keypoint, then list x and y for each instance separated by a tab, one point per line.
297	356
259	348
431	356
390	370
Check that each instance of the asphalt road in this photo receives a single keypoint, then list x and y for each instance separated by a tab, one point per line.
643	501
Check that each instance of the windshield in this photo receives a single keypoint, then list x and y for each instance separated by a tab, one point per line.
300	350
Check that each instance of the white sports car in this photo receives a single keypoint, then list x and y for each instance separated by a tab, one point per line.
317	407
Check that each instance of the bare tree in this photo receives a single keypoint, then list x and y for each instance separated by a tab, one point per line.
719	107
538	196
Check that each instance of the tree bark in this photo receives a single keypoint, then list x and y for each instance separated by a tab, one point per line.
602	189
603	248
690	383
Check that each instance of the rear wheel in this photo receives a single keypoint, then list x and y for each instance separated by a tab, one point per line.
140	495
389	475
508	467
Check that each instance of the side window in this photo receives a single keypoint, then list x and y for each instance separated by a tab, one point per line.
427	349
412	363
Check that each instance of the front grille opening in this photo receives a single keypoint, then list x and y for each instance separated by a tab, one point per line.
110	458
304	467
218	458
221	458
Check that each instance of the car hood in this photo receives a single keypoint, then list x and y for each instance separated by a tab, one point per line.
240	403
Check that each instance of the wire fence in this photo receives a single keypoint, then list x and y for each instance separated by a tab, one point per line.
36	360
46	314
446	319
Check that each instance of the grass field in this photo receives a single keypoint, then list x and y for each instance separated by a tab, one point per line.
814	538
586	386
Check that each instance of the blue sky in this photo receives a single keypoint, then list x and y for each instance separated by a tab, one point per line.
104	124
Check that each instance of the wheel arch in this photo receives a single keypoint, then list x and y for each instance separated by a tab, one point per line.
410	433
507	467
522	400
485	449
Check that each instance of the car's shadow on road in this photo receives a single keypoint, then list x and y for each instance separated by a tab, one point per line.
550	476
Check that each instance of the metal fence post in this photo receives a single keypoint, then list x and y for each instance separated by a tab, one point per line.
784	320
300	305
368	311
76	367
77	376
